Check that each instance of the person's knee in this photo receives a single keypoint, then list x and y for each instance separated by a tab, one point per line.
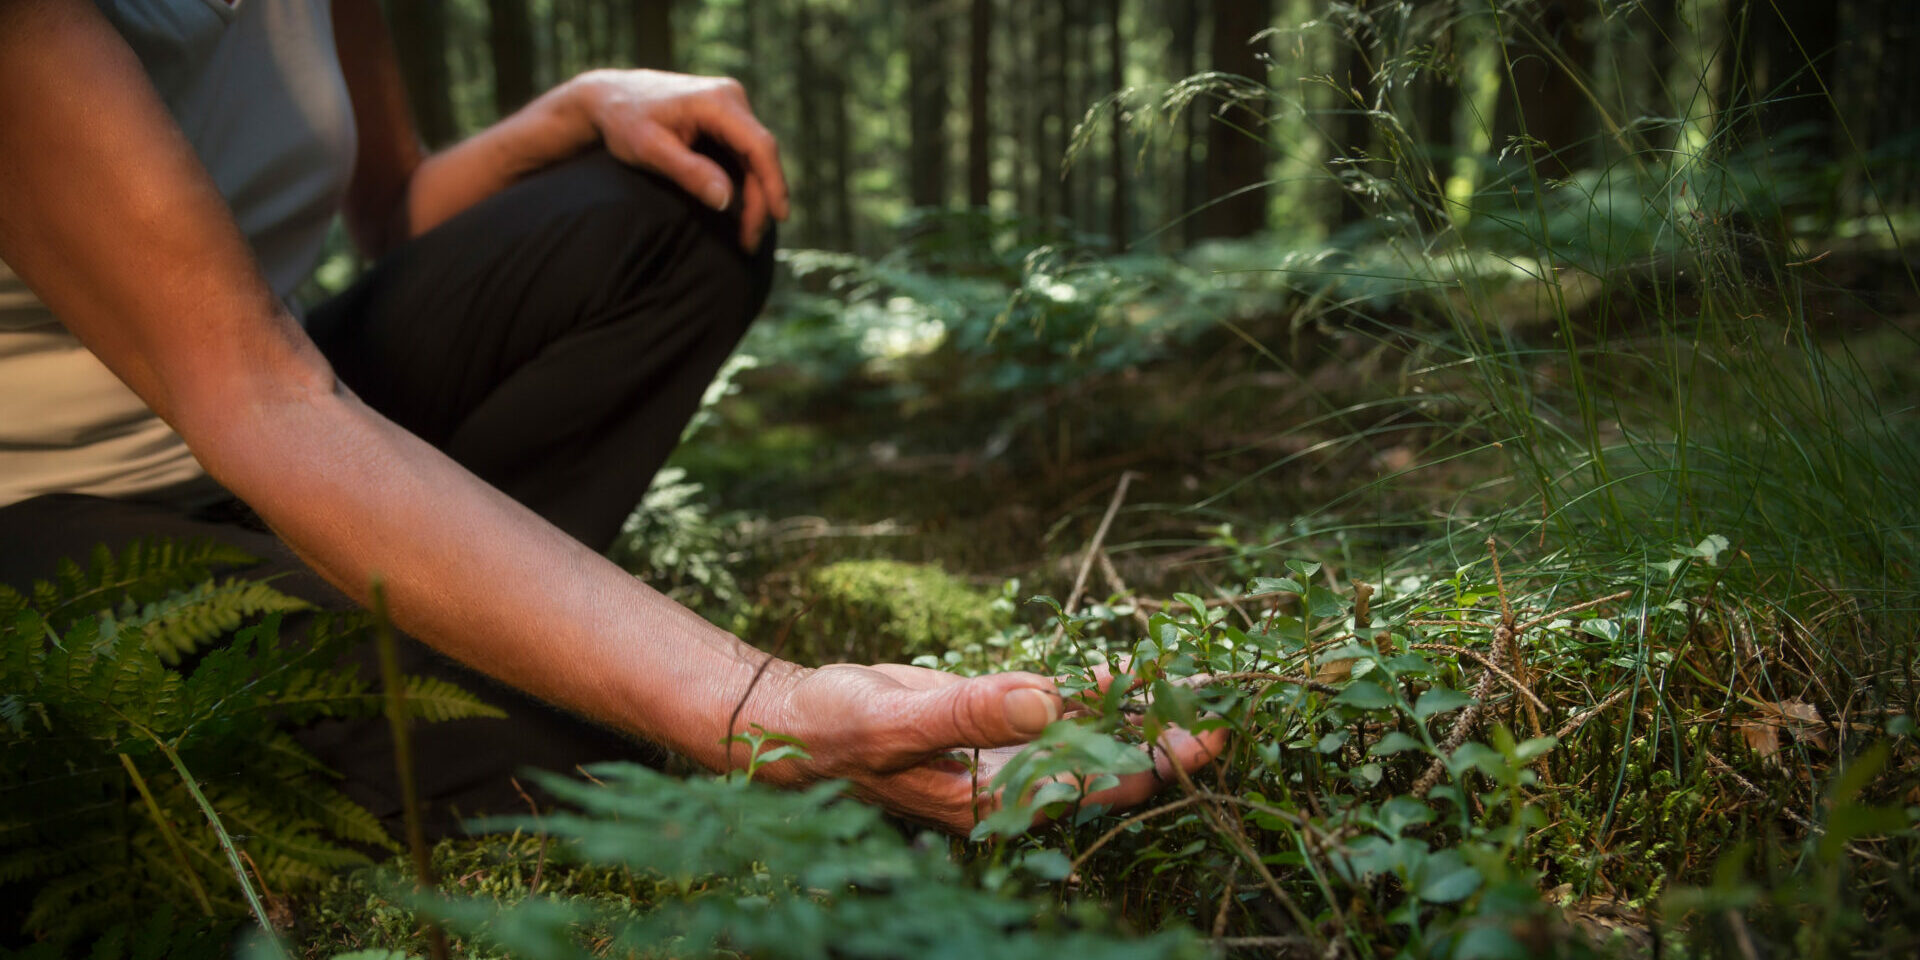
667	247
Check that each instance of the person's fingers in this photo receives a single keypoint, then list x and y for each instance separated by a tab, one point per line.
736	126
695	173
1001	709
917	678
753	214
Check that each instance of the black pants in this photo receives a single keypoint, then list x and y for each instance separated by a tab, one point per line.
554	339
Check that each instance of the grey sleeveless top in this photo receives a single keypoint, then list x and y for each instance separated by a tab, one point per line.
257	89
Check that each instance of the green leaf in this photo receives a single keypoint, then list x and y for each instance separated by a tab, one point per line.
1366	695
1446	877
1601	627
1333	741
1395	742
1401	811
1487	942
1303	569
1047	864
1276	585
1437	700
1410	664
1324	603
1475	755
1709	549
1530	749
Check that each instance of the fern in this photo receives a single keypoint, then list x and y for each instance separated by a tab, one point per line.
772	874
183	621
100	694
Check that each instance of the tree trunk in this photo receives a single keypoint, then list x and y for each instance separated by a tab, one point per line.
979	130
1080	176
420	41
1236	143
808	180
1117	213
1049	147
1542	97
840	188
1183	178
510	39
1786	60
927	103
1353	130
653	34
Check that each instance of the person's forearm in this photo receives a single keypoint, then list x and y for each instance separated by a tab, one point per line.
552	128
475	574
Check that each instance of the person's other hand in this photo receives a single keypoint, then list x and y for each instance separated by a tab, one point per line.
892	729
651	120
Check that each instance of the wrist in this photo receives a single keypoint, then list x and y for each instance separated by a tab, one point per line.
760	695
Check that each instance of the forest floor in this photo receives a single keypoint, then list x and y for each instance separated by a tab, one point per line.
1273	439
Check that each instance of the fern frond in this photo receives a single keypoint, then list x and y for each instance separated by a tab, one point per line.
185	620
144	571
434	700
346	819
312	694
12	604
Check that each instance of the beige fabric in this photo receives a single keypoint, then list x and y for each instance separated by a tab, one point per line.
256	87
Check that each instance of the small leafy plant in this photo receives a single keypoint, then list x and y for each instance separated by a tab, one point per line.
147	761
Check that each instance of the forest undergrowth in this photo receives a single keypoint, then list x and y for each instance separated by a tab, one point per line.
1547	544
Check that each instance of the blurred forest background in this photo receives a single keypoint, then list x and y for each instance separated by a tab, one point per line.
883	108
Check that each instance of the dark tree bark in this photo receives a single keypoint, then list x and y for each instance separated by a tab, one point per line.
420	41
927	102
749	40
510	39
1789	50
1184	175
1353	128
1236	145
653	34
1117	211
808	179
1550	56
840	187
1078	185
1049	145
979	113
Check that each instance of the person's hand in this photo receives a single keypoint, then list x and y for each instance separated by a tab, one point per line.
892	729
652	119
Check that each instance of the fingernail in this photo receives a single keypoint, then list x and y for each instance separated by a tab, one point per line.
719	194
1029	711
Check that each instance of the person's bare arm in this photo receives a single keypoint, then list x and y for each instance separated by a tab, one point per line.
644	117
107	214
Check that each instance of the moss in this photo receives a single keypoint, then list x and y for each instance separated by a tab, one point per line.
880	610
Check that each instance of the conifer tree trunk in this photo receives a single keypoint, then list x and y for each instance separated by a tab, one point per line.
1236	143
1048	145
840	187
653	33
927	102
510	39
1353	130
1543	96
1117	212
808	181
979	129
420	41
1184	174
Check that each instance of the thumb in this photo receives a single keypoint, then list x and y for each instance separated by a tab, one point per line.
999	710
695	173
